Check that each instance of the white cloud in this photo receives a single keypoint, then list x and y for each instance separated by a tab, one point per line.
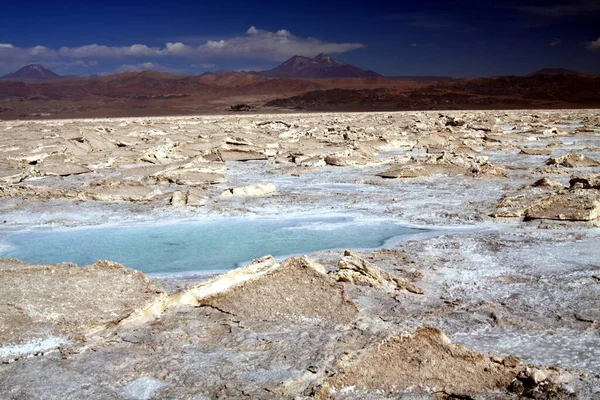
99	51
213	44
594	46
178	49
150	66
203	66
252	31
139	67
276	46
555	42
255	44
67	65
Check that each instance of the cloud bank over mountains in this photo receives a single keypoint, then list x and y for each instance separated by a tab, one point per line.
255	44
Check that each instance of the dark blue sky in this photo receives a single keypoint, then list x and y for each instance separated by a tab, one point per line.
458	38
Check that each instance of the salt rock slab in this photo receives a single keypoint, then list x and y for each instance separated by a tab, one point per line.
350	161
422	170
123	193
62	169
535	151
575	205
38	302
191	178
423	360
236	155
295	290
264	189
11	176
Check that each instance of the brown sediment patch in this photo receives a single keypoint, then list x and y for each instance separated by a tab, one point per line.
294	290
425	360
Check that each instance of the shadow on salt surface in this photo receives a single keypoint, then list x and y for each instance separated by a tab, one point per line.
562	347
207	246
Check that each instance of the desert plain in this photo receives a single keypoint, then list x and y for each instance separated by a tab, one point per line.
497	298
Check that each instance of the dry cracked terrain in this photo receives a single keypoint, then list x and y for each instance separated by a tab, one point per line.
499	299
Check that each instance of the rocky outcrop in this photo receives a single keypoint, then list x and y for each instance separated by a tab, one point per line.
193	197
550	200
358	271
545	383
585	182
446	165
575	205
572	160
548	183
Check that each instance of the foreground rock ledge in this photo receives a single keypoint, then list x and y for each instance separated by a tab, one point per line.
267	330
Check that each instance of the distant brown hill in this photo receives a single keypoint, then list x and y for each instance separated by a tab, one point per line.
158	93
141	93
345	98
543	91
322	66
571	88
556	71
155	84
429	79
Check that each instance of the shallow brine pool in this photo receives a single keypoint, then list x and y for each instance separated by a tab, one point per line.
209	246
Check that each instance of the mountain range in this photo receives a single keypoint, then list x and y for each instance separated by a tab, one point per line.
35	92
319	67
297	67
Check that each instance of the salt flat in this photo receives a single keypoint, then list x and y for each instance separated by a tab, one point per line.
511	266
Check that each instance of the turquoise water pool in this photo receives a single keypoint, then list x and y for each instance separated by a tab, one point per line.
213	245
